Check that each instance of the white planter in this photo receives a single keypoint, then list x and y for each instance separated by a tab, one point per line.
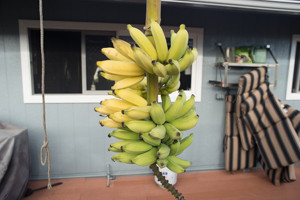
169	175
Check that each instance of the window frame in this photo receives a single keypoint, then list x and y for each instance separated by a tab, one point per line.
90	96
289	94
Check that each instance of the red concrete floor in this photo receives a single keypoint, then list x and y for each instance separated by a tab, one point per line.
208	185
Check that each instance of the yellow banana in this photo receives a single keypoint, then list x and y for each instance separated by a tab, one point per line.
146	158
173	67
144	43
136	147
116	104
127	82
157	113
187	60
142	59
160	41
123	68
139	126
123	47
174	109
173	36
110	123
113	54
112	77
137	112
131	97
159	69
187	106
124	134
118	145
178	47
119	117
104	110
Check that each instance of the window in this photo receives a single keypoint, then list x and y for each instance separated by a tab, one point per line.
71	52
293	86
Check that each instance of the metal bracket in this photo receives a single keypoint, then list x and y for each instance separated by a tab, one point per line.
109	176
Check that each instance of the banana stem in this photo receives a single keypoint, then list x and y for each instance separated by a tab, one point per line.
165	183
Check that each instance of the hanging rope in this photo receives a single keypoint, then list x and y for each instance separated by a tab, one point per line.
46	158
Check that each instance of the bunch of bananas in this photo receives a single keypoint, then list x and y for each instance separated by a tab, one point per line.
148	133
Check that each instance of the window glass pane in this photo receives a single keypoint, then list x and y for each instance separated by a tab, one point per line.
62	61
93	45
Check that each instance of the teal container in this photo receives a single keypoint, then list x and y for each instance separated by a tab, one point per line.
258	54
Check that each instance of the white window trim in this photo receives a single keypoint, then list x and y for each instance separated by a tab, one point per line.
289	94
28	93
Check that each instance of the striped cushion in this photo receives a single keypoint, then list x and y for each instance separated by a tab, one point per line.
294	116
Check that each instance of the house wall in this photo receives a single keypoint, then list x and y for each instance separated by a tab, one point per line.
78	145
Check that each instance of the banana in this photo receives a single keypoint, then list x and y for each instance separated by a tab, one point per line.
163	80
104	110
174	147
124	157
146	158
123	68
116	104
173	67
110	123
123	47
131	97
139	86
195	52
118	145
182	93
136	147
178	47
157	113
183	163
169	90
140	126
185	122
142	59
174	109
165	139
159	69
173	36
185	143
172	131
127	82
173	81
163	151
114	149
160	41
187	60
124	134
137	112
144	43
150	140
162	163
187	106
119	117
166	102
174	166
112	54
112	77
158	132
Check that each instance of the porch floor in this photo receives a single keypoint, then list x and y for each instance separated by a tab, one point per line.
204	185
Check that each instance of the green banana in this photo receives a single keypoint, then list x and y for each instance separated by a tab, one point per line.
140	126
183	163
174	109
123	47
150	140
159	69
163	80
174	147
118	145
187	60
182	93
131	97
136	147
142	59
114	149
178	47
173	67
162	163
173	36
163	151
137	112
185	122
165	139
174	166
124	134
173	81
157	113
146	158
110	123
158	132
160	41
185	143
195	52
124	157
144	43
187	106
172	131
166	102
